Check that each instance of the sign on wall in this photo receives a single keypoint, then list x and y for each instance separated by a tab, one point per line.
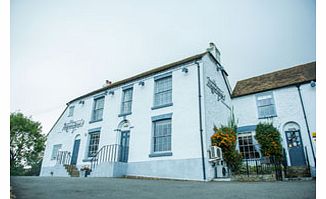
73	125
216	91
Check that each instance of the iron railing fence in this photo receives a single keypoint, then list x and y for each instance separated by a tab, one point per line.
63	157
262	166
110	153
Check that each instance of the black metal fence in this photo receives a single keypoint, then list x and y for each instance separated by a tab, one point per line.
110	153
263	166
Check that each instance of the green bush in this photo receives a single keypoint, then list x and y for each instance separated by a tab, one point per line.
269	139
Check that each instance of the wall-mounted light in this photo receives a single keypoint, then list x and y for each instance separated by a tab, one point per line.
185	70
312	83
111	92
141	83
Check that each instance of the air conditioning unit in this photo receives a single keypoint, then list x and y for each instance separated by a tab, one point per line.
215	153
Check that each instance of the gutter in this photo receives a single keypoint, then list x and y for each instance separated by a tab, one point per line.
200	121
305	118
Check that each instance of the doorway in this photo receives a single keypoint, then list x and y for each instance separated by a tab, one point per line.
295	145
75	151
124	146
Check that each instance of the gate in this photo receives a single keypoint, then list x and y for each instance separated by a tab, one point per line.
263	166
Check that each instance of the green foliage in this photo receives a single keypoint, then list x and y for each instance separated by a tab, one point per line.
27	144
269	139
225	137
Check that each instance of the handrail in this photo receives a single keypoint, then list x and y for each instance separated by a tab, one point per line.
63	157
110	153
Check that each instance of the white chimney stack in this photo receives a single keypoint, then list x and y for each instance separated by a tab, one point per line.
107	83
214	51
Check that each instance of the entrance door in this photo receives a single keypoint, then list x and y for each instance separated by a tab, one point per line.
124	143
75	152
295	147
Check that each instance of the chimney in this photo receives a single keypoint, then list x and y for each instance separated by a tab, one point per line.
214	51
107	83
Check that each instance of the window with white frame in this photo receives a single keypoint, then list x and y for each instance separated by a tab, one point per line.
162	135
248	147
265	105
94	140
126	101
98	107
55	151
163	91
71	111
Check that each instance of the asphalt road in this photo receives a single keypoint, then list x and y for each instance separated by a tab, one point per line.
79	188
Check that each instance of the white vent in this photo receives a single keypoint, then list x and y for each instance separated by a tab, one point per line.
215	153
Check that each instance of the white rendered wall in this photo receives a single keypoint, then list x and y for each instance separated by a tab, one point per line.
185	121
288	109
215	113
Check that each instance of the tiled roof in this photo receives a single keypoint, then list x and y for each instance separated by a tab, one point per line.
278	79
144	74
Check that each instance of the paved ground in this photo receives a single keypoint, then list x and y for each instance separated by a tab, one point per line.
79	188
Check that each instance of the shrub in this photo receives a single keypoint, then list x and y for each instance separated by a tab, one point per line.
269	139
225	138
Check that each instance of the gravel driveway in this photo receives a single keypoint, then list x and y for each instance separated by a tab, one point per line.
79	188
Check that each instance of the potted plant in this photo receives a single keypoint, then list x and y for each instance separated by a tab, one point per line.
86	170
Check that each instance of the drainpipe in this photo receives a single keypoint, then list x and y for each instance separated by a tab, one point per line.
305	118
200	121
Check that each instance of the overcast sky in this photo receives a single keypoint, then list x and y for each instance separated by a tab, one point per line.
63	49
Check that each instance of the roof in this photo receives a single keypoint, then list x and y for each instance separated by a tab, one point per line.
288	77
144	74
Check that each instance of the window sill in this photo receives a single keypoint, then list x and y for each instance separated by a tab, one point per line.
162	106
95	121
159	154
87	159
124	114
267	117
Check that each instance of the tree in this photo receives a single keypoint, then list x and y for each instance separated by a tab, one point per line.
269	139
27	144
225	137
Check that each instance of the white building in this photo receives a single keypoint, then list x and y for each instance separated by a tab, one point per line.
155	124
287	98
159	123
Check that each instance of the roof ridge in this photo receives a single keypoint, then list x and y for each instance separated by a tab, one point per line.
143	74
285	69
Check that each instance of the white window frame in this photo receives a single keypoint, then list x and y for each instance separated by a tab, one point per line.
55	149
264	96
125	102
96	109
165	93
92	133
254	144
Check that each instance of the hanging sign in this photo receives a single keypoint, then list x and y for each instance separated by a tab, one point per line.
73	125
215	89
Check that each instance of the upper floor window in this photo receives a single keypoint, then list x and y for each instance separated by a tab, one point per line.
265	105
98	107
163	91
247	147
71	111
94	141
55	151
126	101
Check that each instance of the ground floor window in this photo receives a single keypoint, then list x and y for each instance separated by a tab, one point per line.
247	146
94	141
55	151
162	135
